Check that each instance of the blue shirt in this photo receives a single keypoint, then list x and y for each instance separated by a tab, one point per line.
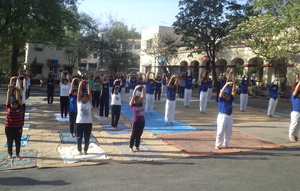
73	103
223	82
164	82
295	103
150	88
111	82
225	106
273	93
171	93
132	84
244	88
188	83
209	84
204	86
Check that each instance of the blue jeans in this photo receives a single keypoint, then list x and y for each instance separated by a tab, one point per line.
83	129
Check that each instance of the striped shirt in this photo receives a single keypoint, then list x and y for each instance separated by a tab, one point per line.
14	117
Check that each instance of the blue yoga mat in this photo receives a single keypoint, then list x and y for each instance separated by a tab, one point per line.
65	138
156	124
122	129
24	141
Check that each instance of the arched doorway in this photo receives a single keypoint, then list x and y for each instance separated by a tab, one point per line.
195	65
183	66
221	67
238	64
255	70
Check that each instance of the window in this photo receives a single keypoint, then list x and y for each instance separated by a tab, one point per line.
54	69
137	46
95	55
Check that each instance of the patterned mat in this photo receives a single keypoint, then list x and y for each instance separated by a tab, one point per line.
28	160
65	138
121	129
155	124
24	141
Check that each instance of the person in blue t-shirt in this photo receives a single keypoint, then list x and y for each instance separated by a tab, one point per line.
230	78
150	84
224	119
188	88
164	84
141	81
273	90
132	83
209	91
104	98
244	93
203	92
73	106
295	115
171	100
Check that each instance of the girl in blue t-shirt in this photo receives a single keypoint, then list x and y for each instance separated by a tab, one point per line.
244	93
295	115
224	119
171	100
273	90
73	106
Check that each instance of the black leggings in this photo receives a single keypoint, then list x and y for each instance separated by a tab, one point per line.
96	99
115	115
136	133
72	120
13	134
64	103
50	94
104	105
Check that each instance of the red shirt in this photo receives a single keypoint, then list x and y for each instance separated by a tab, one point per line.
14	117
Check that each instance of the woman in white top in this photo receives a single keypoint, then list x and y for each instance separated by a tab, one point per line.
65	86
116	102
84	118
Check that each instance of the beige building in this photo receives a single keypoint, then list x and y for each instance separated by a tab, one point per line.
226	59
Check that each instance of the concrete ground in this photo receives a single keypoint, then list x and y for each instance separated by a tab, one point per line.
45	138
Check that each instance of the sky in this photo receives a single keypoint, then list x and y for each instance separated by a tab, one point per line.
141	14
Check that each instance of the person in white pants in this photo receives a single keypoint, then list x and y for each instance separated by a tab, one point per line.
224	119
150	84
273	90
209	90
244	93
295	115
188	89
164	85
171	100
203	93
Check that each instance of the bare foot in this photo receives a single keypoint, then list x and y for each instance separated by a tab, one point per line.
171	123
79	153
217	148
18	157
85	153
167	124
9	157
113	127
131	150
138	149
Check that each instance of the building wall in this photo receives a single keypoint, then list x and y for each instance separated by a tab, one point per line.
42	54
226	59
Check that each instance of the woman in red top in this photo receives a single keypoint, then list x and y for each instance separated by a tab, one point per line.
14	121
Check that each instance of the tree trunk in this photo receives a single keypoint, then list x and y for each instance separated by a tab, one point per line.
14	60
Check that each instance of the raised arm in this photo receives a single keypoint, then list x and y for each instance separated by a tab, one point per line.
133	95
89	91
79	90
11	80
8	95
296	89
72	85
224	88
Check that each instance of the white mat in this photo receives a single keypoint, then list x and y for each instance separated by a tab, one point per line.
58	117
69	154
26	126
26	116
31	108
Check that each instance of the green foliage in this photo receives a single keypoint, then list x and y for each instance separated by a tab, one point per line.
42	20
203	24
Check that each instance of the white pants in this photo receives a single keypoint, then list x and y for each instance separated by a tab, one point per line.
272	106
187	96
170	111
130	94
203	100
149	103
295	124
243	101
209	93
224	129
122	94
163	92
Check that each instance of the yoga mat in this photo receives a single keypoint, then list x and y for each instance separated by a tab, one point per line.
28	160
146	151
26	116
26	126
205	127
155	124
58	117
31	108
65	137
101	118
202	143
121	129
24	141
70	154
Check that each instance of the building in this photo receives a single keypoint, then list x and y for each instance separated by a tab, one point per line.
226	59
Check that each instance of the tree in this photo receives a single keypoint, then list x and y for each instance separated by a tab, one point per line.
203	25
114	45
163	47
273	34
43	20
